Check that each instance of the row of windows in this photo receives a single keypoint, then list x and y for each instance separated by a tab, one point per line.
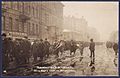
33	29
9	24
22	7
30	9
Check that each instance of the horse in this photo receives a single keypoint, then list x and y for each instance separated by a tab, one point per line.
66	46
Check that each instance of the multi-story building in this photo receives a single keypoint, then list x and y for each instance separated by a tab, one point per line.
93	33
13	19
77	27
114	36
33	19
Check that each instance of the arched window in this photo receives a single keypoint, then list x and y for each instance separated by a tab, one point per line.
18	5
33	11
16	25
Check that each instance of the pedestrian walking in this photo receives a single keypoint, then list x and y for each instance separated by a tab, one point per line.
92	51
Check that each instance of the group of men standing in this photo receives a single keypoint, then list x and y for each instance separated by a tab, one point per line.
20	51
17	50
40	49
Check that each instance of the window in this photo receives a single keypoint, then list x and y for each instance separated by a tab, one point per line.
3	22
36	13
33	29
28	28
23	7
18	5
10	23
8	5
33	11
15	5
22	28
16	25
11	5
29	9
47	18
37	29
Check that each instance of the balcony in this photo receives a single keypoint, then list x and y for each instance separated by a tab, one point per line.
24	18
3	10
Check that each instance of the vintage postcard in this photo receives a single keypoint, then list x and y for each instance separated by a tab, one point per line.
60	38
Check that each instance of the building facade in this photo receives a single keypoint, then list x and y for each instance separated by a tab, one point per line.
77	27
37	20
114	36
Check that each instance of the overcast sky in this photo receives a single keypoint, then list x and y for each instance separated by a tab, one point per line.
101	15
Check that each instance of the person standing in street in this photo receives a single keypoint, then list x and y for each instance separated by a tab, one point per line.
46	47
92	51
5	52
40	49
115	48
81	48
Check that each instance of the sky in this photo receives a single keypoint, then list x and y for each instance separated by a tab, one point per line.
101	15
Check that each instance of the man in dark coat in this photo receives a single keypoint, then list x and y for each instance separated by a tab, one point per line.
22	55
16	52
55	47
10	48
5	51
92	51
46	47
41	49
81	48
115	48
26	49
72	47
34	50
92	48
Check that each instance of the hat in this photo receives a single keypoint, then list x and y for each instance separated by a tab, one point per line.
4	34
91	39
41	39
45	38
26	37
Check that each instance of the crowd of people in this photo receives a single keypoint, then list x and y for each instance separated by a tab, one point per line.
21	50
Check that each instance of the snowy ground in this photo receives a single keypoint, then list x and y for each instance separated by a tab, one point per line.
79	65
104	65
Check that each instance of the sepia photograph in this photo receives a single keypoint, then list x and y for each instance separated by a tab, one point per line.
60	38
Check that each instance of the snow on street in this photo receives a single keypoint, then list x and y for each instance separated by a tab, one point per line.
104	65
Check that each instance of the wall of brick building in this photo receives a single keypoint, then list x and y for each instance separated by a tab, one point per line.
42	15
